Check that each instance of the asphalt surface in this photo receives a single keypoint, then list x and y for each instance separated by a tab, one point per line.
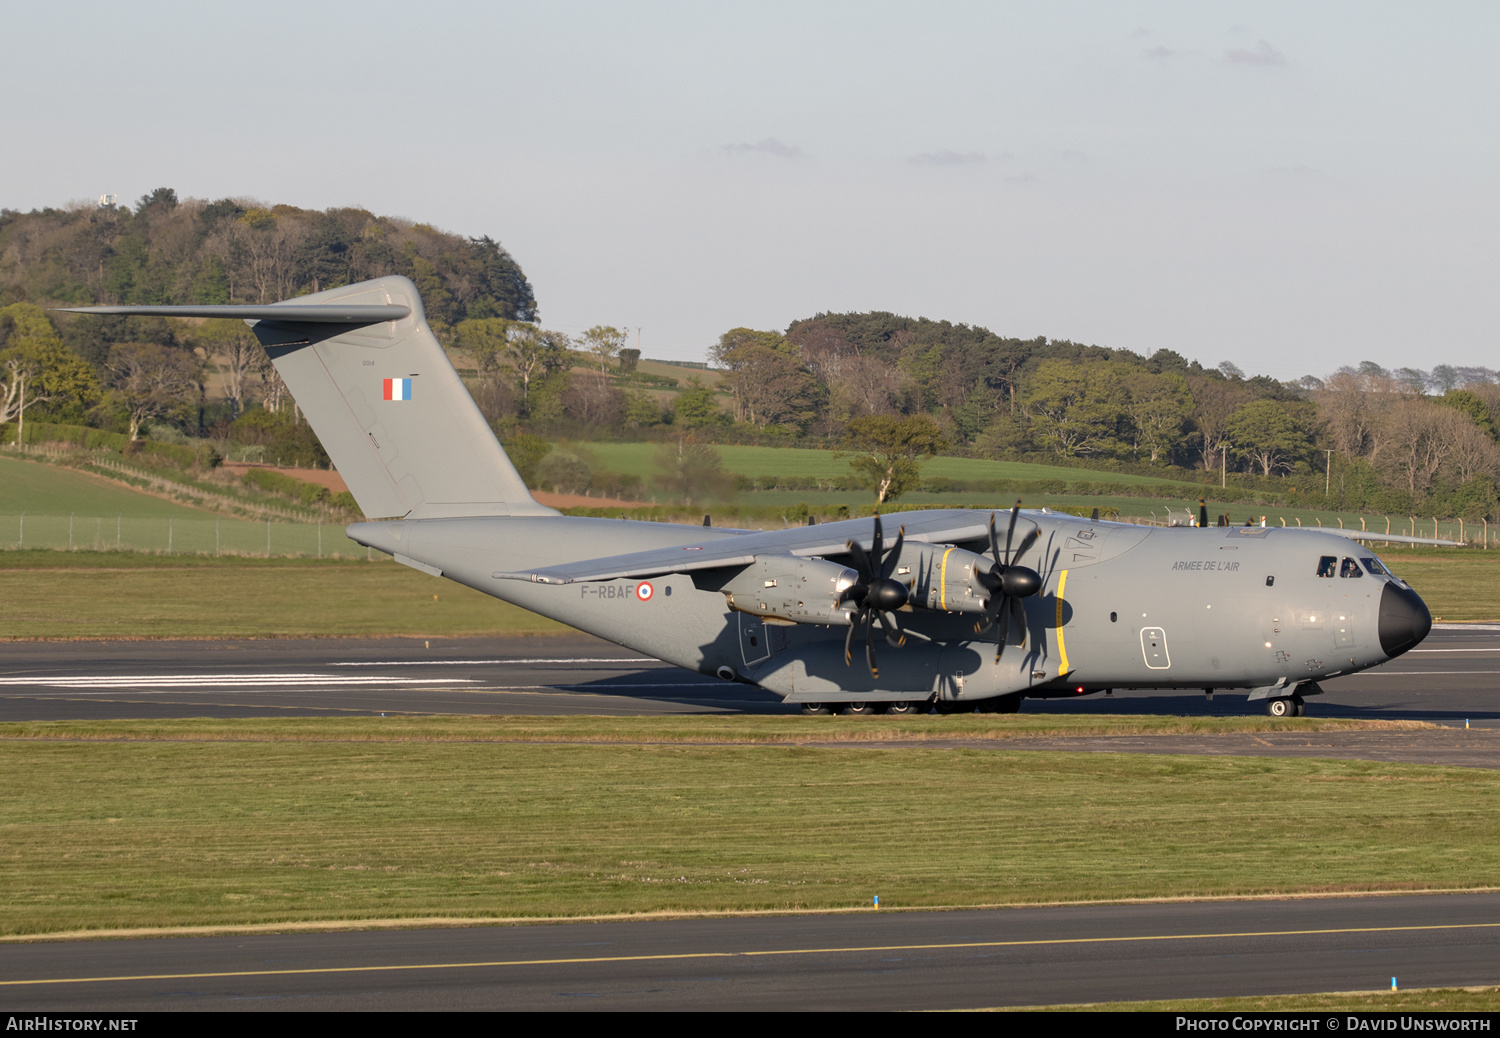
870	960
889	960
1451	678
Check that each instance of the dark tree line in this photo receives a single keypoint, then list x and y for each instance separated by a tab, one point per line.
166	251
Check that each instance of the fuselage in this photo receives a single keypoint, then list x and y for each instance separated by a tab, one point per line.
1121	606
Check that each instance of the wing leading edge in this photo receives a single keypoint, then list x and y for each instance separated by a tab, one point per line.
938	526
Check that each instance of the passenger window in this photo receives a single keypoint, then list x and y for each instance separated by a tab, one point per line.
1350	568
1375	568
1327	565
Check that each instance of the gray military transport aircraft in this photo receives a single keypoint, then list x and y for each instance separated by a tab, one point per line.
1096	606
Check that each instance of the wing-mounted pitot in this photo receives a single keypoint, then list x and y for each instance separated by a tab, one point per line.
793	589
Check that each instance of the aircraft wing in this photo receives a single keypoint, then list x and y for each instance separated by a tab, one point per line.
1363	535
939	526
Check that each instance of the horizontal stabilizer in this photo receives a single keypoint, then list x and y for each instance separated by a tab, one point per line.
299	313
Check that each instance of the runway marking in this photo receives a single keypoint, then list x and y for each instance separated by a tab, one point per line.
1416	673
1495	649
677	956
214	681
482	663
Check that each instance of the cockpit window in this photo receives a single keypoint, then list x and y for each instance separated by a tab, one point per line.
1328	565
1375	568
1350	568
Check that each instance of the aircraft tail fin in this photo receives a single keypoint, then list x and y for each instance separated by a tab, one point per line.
382	397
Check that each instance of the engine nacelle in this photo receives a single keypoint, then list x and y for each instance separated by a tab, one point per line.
784	587
943	578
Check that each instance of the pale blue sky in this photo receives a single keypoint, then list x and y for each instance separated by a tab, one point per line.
1289	186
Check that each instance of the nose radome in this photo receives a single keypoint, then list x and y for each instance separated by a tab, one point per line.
1404	619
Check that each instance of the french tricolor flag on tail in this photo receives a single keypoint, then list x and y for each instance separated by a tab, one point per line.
398	389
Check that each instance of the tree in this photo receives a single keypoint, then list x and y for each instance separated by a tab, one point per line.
151	382
36	368
890	451
604	342
690	470
1077	409
1158	406
1263	432
238	354
764	374
697	406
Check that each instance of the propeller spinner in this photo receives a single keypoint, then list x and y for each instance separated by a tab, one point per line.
1007	582
875	595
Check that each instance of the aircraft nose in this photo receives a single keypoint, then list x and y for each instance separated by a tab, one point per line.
1404	619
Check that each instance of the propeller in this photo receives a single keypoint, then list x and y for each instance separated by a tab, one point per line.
1007	582
875	595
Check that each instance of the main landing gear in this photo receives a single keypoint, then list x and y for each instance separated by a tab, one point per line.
1287	706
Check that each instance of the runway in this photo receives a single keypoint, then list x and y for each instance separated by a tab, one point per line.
889	960
1452	678
870	960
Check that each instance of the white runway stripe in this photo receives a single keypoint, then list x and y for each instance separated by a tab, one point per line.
215	681
480	663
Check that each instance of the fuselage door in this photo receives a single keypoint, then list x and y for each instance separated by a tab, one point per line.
754	638
1154	648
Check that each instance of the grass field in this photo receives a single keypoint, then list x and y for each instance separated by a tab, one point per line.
110	595
373	821
29	486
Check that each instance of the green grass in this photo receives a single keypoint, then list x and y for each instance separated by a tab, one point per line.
163	830
121	595
31	486
1421	1000
1456	583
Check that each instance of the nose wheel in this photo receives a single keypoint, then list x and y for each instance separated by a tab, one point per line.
1287	706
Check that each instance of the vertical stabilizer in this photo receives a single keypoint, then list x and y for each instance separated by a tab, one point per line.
390	410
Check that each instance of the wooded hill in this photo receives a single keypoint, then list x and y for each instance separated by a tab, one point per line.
167	251
1402	442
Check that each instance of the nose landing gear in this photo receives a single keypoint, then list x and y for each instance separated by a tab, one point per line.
1287	706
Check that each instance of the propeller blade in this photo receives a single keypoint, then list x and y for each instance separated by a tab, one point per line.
849	639
893	635
877	548
861	562
1002	620
1010	531
994	539
894	556
1202	512
1027	542
870	647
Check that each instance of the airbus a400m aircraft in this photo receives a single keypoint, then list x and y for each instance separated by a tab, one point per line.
978	610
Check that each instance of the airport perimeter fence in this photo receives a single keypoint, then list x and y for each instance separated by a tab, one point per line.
179	536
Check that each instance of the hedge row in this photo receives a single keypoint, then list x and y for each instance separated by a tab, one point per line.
86	437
